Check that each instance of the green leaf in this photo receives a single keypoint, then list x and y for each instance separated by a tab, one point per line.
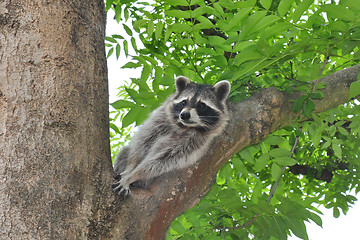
257	192
145	75
143	115
284	6
178	227
336	212
199	11
178	14
117	51
108	4
177	2
118	12
139	23
149	59
297	226
279	152
246	155
184	42
239	166
158	30
274	140
354	89
263	23
320	86
205	22
266	3
119	104
349	46
336	146
117	36
264	47
134	95
242	45
275	29
309	107
126	48
338	12
298	104
126	14
115	128
219	9
225	172
276	171
111	50
316	95
193	2
235	22
343	131
261	162
351	4
316	134
110	39
300	9
168	32
181	27
131	116
157	79
251	22
133	44
285	161
338	26
131	65
247	54
315	218
150	28
127	30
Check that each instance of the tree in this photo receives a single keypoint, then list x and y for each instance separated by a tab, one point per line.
55	159
55	163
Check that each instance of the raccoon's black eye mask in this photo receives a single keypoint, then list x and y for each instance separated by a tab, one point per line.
183	102
202	106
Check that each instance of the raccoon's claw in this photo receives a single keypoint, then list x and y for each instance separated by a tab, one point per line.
120	190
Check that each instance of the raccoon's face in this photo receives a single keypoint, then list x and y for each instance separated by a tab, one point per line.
202	107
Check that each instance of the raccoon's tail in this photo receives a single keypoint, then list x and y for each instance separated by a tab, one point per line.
121	160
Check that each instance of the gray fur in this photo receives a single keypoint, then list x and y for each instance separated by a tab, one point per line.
167	141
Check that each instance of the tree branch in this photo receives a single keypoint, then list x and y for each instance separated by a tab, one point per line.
251	121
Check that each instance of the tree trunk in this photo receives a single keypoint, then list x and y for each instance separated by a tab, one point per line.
55	167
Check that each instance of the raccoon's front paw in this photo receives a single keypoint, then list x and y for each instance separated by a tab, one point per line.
120	189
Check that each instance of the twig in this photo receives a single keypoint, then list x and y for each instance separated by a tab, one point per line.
321	71
276	184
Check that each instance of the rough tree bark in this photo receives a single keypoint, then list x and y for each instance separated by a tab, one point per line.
55	167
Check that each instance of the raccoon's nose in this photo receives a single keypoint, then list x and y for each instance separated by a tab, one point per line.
185	115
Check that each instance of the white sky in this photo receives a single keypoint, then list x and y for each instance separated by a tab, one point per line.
345	227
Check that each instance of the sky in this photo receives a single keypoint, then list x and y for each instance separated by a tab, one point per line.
345	227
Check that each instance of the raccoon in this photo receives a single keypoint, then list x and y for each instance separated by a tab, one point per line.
175	136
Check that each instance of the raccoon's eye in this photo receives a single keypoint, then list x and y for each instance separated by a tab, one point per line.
183	102
202	106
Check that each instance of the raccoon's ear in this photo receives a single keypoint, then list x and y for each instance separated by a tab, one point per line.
222	90
181	83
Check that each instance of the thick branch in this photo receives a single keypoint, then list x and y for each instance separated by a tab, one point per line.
251	122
